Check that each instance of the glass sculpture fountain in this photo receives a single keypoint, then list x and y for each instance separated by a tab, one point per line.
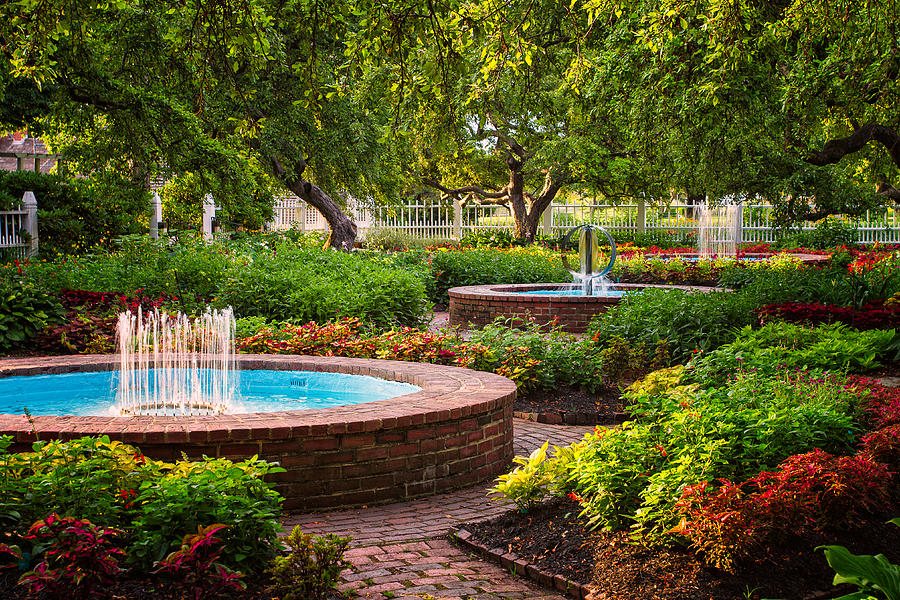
174	365
590	277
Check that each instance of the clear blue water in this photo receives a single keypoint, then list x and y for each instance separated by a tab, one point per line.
93	393
610	294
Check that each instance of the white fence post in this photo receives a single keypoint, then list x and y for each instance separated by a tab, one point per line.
29	204
209	213
547	220
155	216
739	225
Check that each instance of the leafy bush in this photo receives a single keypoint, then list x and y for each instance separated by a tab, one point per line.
684	436
387	240
828	233
858	284
24	312
312	567
192	494
728	522
195	567
154	503
280	281
531	356
869	316
641	268
820	488
487	266
883	446
873	575
688	322
491	238
557	358
786	345
718	522
83	477
658	238
527	484
80	558
75	215
317	285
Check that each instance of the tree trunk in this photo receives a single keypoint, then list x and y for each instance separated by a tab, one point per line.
693	199
516	191
343	231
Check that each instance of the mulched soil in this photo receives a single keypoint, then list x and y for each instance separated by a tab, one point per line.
556	540
606	404
134	587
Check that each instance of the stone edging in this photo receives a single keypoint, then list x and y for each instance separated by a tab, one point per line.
455	432
512	562
573	418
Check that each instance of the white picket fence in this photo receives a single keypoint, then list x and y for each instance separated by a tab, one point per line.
18	229
444	220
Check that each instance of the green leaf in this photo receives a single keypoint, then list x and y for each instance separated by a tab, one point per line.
863	570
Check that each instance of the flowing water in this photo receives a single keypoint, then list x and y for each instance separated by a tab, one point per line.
175	365
717	230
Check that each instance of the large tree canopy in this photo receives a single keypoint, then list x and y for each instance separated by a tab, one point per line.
490	105
222	89
793	101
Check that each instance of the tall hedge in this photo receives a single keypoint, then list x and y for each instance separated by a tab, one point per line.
77	214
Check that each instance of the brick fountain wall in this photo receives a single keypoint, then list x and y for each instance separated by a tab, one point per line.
455	432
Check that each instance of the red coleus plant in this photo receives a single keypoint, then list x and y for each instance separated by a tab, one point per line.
80	560
818	488
9	556
721	522
881	403
195	567
727	522
883	446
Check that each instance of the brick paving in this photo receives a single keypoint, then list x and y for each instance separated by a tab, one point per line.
400	551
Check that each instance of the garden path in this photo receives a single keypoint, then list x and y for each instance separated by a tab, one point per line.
401	550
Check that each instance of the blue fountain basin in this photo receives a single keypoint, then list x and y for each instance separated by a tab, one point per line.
93	393
577	292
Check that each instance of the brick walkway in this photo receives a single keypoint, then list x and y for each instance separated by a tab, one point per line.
401	551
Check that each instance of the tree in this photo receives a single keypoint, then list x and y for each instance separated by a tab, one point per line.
791	101
211	88
490	107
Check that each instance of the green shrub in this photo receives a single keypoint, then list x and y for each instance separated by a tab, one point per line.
659	238
487	266
681	438
303	285
75	215
491	238
387	240
688	321
24	312
774	346
259	276
215	490
84	477
113	485
311	569
563	358
828	233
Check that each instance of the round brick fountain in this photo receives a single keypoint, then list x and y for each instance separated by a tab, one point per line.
481	304
453	433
